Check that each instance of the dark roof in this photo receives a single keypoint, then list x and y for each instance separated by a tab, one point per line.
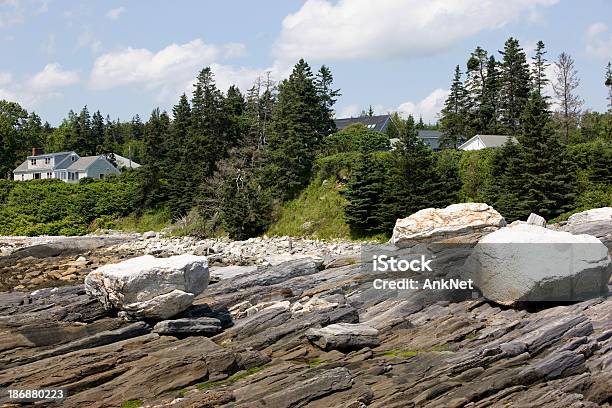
431	138
377	123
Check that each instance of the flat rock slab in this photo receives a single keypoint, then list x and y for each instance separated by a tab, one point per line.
530	263
436	224
149	287
344	336
200	326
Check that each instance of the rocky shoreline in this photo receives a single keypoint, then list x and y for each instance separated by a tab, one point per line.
293	323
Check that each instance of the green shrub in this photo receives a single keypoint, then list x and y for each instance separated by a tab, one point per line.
339	166
354	138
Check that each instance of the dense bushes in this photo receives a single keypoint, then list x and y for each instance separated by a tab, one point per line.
52	207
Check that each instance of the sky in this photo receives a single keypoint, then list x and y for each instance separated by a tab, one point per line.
128	57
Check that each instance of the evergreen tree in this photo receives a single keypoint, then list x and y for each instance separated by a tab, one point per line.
454	114
476	91
412	173
155	133
327	98
177	167
539	69
234	106
515	84
489	110
367	212
83	142
296	133
564	87
548	182
136	128
97	133
608	83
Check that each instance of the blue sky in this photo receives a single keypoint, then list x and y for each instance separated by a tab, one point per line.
127	57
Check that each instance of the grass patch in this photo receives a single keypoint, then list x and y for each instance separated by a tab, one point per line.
131	403
150	220
316	362
230	380
318	212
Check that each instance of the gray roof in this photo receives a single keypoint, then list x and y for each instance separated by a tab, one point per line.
22	168
377	123
491	140
431	138
125	162
82	163
50	154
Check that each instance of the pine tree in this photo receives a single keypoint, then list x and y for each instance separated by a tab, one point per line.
327	98
177	168
97	133
454	114
136	128
489	110
83	142
539	69
608	83
296	133
234	106
155	133
476	91
515	84
367	212
411	174
548	186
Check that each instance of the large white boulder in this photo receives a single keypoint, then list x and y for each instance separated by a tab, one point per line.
149	288
596	214
531	263
437	224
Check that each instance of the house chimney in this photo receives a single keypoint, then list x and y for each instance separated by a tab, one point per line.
37	151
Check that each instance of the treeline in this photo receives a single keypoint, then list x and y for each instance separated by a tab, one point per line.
84	133
225	162
492	96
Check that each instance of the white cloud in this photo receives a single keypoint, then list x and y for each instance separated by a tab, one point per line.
234	50
429	107
11	13
52	76
173	63
599	41
353	29
5	78
43	85
114	14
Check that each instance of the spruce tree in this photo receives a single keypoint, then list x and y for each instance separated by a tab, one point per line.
97	133
176	169
539	69
489	110
327	98
296	133
367	212
515	84
608	83
476	91
548	185
412	173
454	114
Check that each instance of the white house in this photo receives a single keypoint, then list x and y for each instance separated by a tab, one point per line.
66	166
479	142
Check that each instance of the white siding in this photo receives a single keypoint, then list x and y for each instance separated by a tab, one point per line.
474	144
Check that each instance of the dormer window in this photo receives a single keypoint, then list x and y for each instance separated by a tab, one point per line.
73	158
33	162
47	160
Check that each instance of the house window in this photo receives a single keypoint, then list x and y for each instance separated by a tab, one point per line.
101	176
33	162
49	175
47	160
73	158
36	176
22	177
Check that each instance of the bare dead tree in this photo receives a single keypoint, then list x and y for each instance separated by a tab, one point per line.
564	87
